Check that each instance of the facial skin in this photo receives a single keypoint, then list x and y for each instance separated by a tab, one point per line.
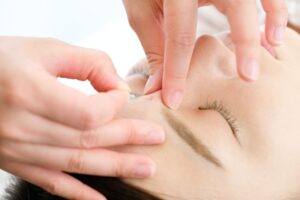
260	161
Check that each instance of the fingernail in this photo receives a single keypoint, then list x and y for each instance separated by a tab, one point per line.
155	137
124	86
149	84
278	34
250	69
174	99
143	171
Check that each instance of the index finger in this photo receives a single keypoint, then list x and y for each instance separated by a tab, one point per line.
64	60
73	108
276	20
180	34
244	23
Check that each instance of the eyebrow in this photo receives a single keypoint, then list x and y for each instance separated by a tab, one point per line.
188	137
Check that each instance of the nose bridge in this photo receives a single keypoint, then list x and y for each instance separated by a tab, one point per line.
212	59
212	64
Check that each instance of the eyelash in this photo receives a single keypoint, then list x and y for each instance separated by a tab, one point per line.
218	106
215	105
139	70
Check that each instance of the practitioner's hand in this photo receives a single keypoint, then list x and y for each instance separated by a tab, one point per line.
47	128
167	30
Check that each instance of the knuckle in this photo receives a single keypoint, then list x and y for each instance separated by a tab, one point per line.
4	129
89	119
101	59
131	132
2	151
182	39
52	186
155	61
76	162
13	94
8	131
88	139
117	165
7	153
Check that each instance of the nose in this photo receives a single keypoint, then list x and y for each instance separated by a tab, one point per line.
213	63
213	58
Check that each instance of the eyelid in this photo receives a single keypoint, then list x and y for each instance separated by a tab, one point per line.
140	70
218	106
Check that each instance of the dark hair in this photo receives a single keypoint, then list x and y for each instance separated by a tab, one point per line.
111	188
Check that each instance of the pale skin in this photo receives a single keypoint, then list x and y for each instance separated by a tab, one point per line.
262	161
167	31
47	128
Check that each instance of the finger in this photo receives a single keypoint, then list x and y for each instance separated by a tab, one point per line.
151	37
73	108
245	36
45	96
264	43
83	64
36	130
180	34
276	20
154	81
54	182
99	162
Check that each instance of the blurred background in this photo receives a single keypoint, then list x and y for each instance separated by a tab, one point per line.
100	24
91	23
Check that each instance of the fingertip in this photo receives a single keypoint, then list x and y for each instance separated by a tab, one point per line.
276	35
123	86
276	20
146	168
174	99
100	198
149	84
97	196
153	83
109	81
269	47
155	137
249	69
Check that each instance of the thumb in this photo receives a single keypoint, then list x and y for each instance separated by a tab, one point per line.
79	63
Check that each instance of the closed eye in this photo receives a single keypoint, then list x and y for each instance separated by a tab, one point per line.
142	70
232	122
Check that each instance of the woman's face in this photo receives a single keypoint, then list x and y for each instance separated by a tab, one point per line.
230	140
